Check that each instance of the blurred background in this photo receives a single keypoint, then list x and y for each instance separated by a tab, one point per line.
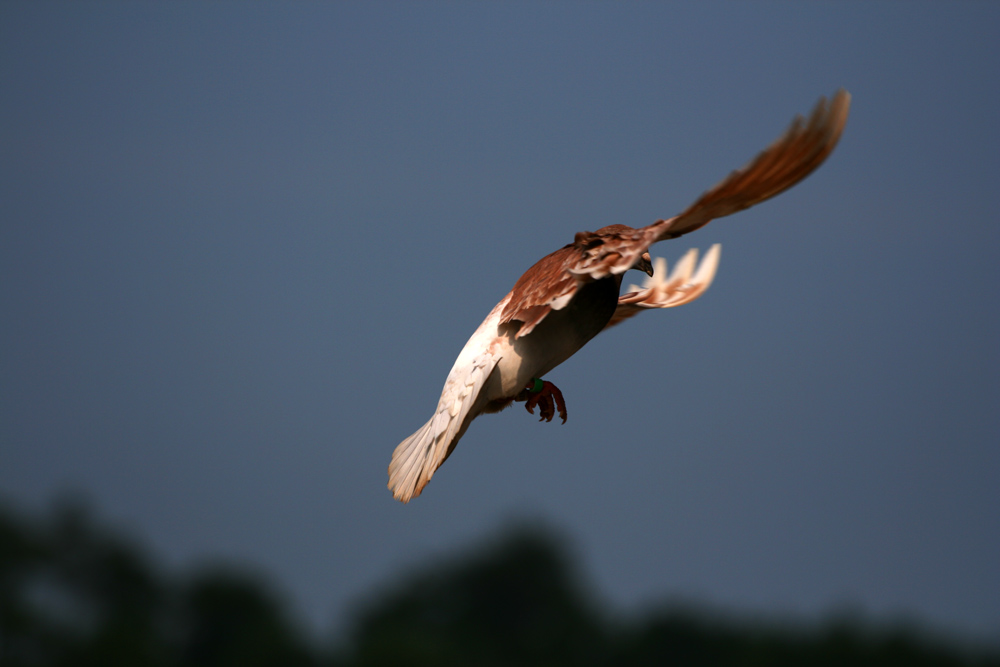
74	592
241	246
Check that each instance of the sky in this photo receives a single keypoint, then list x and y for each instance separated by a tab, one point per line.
242	244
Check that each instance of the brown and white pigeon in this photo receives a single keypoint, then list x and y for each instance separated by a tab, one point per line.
572	295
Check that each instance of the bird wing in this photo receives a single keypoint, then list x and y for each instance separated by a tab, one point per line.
552	282
545	286
662	290
793	156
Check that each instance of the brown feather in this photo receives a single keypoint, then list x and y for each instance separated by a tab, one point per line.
612	250
796	154
534	292
555	279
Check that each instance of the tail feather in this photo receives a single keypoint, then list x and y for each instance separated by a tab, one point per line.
416	458
411	461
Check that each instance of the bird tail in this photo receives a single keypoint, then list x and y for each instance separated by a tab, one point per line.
416	458
412	462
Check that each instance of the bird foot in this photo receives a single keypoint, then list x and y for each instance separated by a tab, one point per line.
548	398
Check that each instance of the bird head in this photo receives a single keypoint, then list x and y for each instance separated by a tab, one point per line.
644	264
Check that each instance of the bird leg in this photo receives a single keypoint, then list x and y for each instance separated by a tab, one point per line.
546	396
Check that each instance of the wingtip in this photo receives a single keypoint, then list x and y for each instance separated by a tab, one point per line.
840	109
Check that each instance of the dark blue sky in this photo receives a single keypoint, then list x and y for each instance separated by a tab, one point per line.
241	245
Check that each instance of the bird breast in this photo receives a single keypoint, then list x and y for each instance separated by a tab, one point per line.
558	336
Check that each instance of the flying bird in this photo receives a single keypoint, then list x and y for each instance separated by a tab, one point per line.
572	294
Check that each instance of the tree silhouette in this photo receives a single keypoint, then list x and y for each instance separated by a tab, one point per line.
514	603
73	593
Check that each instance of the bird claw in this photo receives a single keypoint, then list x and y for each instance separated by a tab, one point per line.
548	399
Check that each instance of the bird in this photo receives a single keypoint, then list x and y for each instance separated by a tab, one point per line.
571	295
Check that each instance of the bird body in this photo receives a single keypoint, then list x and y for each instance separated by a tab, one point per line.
572	294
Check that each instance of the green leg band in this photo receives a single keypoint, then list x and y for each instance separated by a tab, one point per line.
537	387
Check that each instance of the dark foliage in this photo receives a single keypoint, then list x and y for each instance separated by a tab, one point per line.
514	604
76	594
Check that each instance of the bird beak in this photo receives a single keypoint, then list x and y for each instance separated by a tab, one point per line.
645	264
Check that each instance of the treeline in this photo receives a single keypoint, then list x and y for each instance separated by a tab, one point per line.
74	593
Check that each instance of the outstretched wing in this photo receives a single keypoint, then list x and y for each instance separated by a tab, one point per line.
685	284
554	280
793	156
